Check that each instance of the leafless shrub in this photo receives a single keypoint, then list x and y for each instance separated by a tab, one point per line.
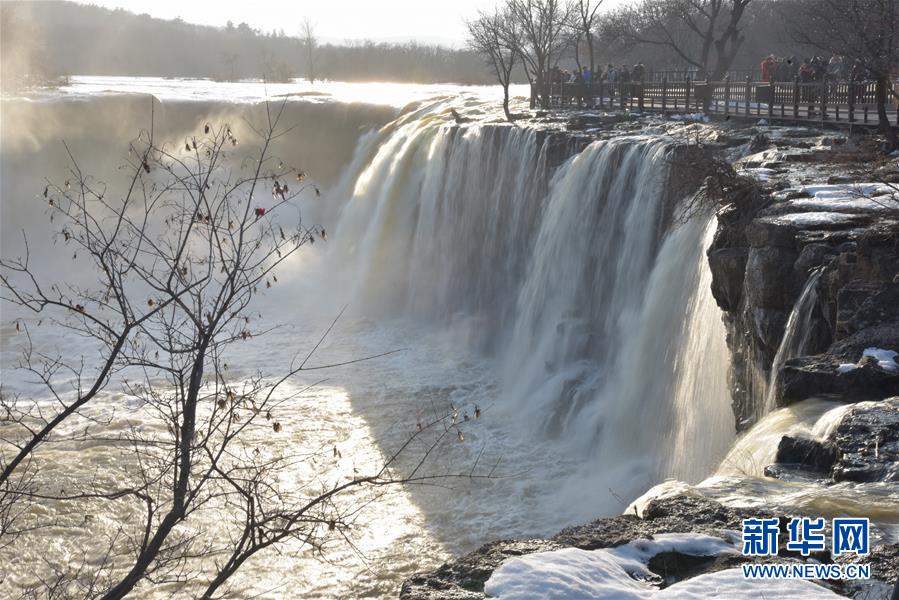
710	184
178	262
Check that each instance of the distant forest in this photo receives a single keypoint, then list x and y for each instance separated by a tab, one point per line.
40	41
43	40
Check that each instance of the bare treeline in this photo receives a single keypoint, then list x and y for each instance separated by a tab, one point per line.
704	38
45	40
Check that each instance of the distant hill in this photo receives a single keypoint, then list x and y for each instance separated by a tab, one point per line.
49	39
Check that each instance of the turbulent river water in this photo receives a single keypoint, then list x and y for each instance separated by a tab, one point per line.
562	301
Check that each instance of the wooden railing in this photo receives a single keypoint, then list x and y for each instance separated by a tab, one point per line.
847	101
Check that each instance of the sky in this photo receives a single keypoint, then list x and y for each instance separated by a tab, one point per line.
433	21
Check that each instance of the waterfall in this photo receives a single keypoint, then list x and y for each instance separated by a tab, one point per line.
439	220
597	311
797	334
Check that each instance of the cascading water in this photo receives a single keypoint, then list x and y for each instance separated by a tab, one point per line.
439	220
600	317
797	335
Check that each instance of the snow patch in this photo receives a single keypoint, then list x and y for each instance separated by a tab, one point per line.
621	573
815	219
691	117
886	360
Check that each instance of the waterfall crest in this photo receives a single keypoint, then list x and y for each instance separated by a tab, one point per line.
598	313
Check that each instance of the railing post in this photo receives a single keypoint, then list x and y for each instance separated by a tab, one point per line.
641	97
890	95
893	89
823	99
726	94
707	96
852	93
664	93
862	90
601	100
748	93
687	94
771	101
796	97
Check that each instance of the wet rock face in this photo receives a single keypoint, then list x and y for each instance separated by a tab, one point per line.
868	442
806	453
821	375
863	447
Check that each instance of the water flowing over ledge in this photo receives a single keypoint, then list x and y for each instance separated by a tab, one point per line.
597	307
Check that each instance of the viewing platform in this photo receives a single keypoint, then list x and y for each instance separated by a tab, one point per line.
822	102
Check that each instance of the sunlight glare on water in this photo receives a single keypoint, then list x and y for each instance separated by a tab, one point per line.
386	93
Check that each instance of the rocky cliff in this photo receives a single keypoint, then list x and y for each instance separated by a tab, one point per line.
846	235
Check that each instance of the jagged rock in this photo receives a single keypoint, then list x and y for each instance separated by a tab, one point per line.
868	440
878	309
582	122
768	277
728	266
819	375
771	232
806	453
759	142
796	473
839	179
811	256
850	299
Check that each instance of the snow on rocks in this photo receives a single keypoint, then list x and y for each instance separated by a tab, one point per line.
623	573
886	360
691	117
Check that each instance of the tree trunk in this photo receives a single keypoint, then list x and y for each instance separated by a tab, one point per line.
176	513
590	51
883	120
542	91
506	101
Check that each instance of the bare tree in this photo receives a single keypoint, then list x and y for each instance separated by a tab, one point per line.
310	46
860	30
495	35
180	260
585	21
705	34
542	25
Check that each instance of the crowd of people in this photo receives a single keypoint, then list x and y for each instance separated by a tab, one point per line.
813	69
773	69
611	73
